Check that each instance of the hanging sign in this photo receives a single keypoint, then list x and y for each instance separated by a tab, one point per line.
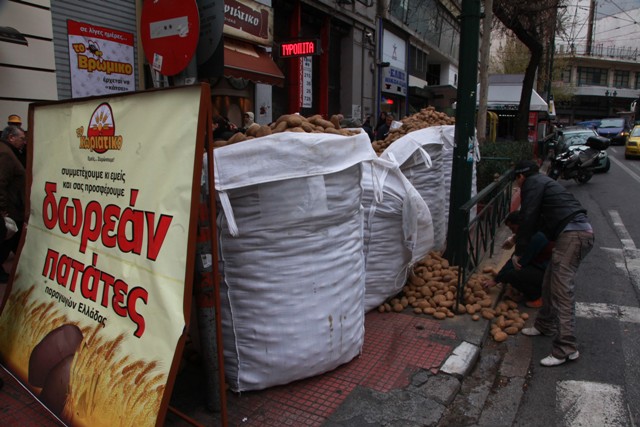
298	48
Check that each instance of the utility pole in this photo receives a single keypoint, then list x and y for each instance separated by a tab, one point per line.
591	21
464	131
485	51
551	51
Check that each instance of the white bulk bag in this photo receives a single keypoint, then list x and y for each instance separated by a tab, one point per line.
398	232
291	255
448	134
419	154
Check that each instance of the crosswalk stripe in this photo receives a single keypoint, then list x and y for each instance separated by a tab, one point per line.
601	310
585	403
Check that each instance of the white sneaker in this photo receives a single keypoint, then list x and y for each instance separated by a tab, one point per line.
551	360
531	332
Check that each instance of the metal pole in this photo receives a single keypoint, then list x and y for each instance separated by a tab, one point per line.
465	131
484	70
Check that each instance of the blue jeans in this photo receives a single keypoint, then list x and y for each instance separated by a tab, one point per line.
558	313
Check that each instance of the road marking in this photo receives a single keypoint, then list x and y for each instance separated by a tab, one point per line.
627	258
608	311
584	403
626	169
618	257
621	231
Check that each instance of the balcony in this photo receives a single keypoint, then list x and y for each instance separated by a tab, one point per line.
620	53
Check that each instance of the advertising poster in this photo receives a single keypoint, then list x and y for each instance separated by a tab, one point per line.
101	60
93	323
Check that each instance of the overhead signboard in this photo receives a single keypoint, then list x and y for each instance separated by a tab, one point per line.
248	20
394	80
101	60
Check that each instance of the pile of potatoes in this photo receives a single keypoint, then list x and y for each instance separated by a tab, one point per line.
291	123
426	117
431	289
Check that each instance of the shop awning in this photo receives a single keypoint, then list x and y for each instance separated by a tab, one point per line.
244	60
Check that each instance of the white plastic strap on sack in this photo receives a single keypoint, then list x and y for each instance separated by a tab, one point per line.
228	212
380	169
403	148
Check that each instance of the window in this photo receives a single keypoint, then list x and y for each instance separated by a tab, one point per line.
620	78
588	76
398	9
433	74
418	62
637	80
565	75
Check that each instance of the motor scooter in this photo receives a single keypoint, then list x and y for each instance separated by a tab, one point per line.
578	163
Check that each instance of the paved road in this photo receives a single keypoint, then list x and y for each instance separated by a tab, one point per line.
510	388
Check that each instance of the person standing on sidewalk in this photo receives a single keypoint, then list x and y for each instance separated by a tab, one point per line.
12	189
546	203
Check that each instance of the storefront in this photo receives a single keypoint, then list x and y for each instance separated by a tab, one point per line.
323	82
393	80
503	98
249	72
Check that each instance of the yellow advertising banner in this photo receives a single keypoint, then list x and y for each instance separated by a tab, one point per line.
94	320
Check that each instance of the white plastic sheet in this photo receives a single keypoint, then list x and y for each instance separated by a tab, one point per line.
398	232
419	154
448	134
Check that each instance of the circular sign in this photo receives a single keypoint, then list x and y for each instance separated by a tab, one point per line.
169	32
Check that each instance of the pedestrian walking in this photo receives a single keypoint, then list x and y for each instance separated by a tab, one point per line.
547	204
366	126
382	119
383	131
14	120
12	189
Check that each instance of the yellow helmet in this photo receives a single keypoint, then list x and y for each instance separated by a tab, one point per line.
14	119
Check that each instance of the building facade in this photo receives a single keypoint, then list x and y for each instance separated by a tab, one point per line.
366	56
597	73
596	84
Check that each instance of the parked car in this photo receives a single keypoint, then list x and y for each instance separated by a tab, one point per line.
616	129
589	124
632	147
575	137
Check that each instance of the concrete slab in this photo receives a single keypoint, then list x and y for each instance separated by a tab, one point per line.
462	359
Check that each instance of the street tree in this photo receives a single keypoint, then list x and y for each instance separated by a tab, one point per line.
510	57
533	23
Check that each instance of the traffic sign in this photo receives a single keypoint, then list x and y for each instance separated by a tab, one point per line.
169	31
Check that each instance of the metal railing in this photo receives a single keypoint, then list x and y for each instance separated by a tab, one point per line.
493	204
598	50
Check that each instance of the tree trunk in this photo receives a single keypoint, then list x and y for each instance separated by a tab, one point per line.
522	121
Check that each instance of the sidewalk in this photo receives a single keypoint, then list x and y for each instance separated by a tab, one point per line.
410	369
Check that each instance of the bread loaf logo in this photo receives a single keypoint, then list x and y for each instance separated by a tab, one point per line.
101	132
50	365
84	376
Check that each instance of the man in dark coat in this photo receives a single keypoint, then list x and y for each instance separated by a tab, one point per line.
12	188
548	207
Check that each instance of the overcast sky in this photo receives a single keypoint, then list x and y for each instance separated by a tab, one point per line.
616	21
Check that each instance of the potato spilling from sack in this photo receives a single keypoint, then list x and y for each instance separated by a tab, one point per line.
432	289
